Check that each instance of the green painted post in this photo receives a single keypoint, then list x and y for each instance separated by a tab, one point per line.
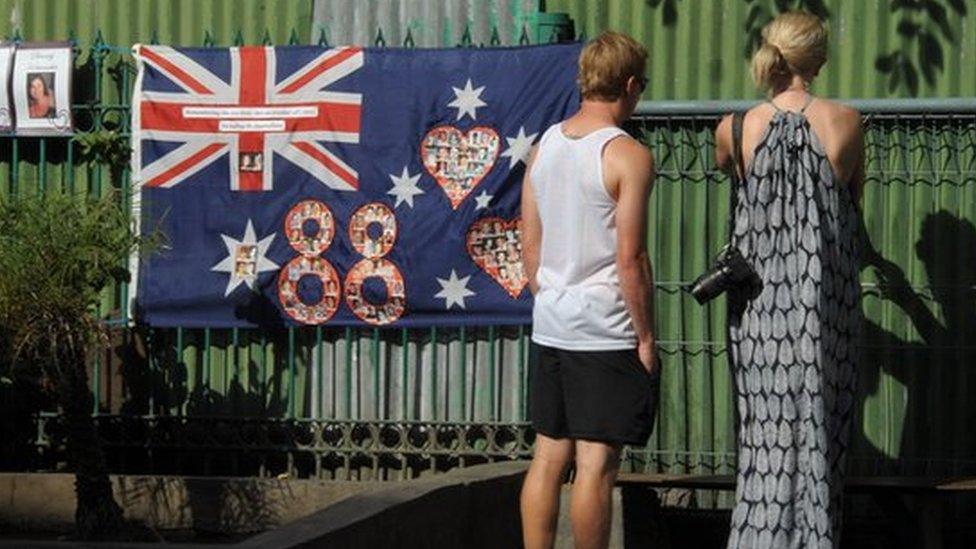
320	378
374	356
348	375
491	372
464	373
151	359
42	166
292	397
522	371
205	367
263	368
14	166
404	372
179	361
236	364
70	166
433	373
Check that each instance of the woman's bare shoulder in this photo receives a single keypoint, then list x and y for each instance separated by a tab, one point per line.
840	114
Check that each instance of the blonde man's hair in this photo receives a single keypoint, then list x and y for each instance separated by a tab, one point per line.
794	43
607	62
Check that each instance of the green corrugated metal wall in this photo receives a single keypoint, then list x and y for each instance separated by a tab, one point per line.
698	47
176	22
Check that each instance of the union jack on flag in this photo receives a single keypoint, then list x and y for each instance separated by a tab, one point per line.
245	115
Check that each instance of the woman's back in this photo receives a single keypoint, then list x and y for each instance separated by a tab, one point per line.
796	223
836	126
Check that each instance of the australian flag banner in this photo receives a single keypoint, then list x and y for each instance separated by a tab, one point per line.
338	186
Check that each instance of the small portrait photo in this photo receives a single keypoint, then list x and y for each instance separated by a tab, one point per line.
40	95
251	162
245	269
246	252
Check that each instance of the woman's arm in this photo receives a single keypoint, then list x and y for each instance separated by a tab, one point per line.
723	144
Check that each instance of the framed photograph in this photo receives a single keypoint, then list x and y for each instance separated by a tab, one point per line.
41	88
6	112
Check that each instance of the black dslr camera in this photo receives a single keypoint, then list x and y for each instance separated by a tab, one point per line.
730	270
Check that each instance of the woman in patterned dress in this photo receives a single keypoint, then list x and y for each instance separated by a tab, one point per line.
792	344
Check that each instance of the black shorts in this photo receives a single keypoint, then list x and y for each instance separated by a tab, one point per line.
606	396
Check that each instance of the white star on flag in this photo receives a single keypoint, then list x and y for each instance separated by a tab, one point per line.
483	199
405	187
467	100
518	147
245	259
454	290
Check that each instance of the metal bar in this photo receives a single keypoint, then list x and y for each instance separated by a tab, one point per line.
292	397
404	371
14	165
42	166
948	105
320	378
433	373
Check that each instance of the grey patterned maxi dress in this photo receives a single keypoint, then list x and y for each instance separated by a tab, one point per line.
793	345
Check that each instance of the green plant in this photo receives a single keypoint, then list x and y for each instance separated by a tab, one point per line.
57	254
107	147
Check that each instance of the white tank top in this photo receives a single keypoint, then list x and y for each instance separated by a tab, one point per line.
579	305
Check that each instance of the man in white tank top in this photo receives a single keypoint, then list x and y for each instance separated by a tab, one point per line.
593	380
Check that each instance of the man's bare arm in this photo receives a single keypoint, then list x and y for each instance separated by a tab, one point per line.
531	228
631	164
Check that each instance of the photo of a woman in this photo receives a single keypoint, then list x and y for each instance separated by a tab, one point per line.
40	95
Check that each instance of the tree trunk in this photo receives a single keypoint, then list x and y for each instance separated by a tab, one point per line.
97	515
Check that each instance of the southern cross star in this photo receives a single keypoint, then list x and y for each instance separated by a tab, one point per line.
483	200
467	100
405	187
454	290
518	147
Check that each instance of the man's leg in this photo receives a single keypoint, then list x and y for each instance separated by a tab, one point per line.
540	490
597	464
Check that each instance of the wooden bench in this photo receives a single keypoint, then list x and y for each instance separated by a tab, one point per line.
886	491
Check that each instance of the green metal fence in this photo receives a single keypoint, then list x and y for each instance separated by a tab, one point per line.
392	403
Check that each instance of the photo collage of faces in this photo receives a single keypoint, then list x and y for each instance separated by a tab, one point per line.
310	228
373	214
373	248
396	298
459	160
292	273
495	245
298	218
314	215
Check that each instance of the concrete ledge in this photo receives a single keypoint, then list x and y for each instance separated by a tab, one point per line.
473	507
46	502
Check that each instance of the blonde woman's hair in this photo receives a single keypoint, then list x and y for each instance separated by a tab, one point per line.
794	43
607	62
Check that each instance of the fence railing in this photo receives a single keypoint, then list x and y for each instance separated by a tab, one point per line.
382	403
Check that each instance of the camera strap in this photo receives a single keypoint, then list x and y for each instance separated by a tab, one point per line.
738	171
